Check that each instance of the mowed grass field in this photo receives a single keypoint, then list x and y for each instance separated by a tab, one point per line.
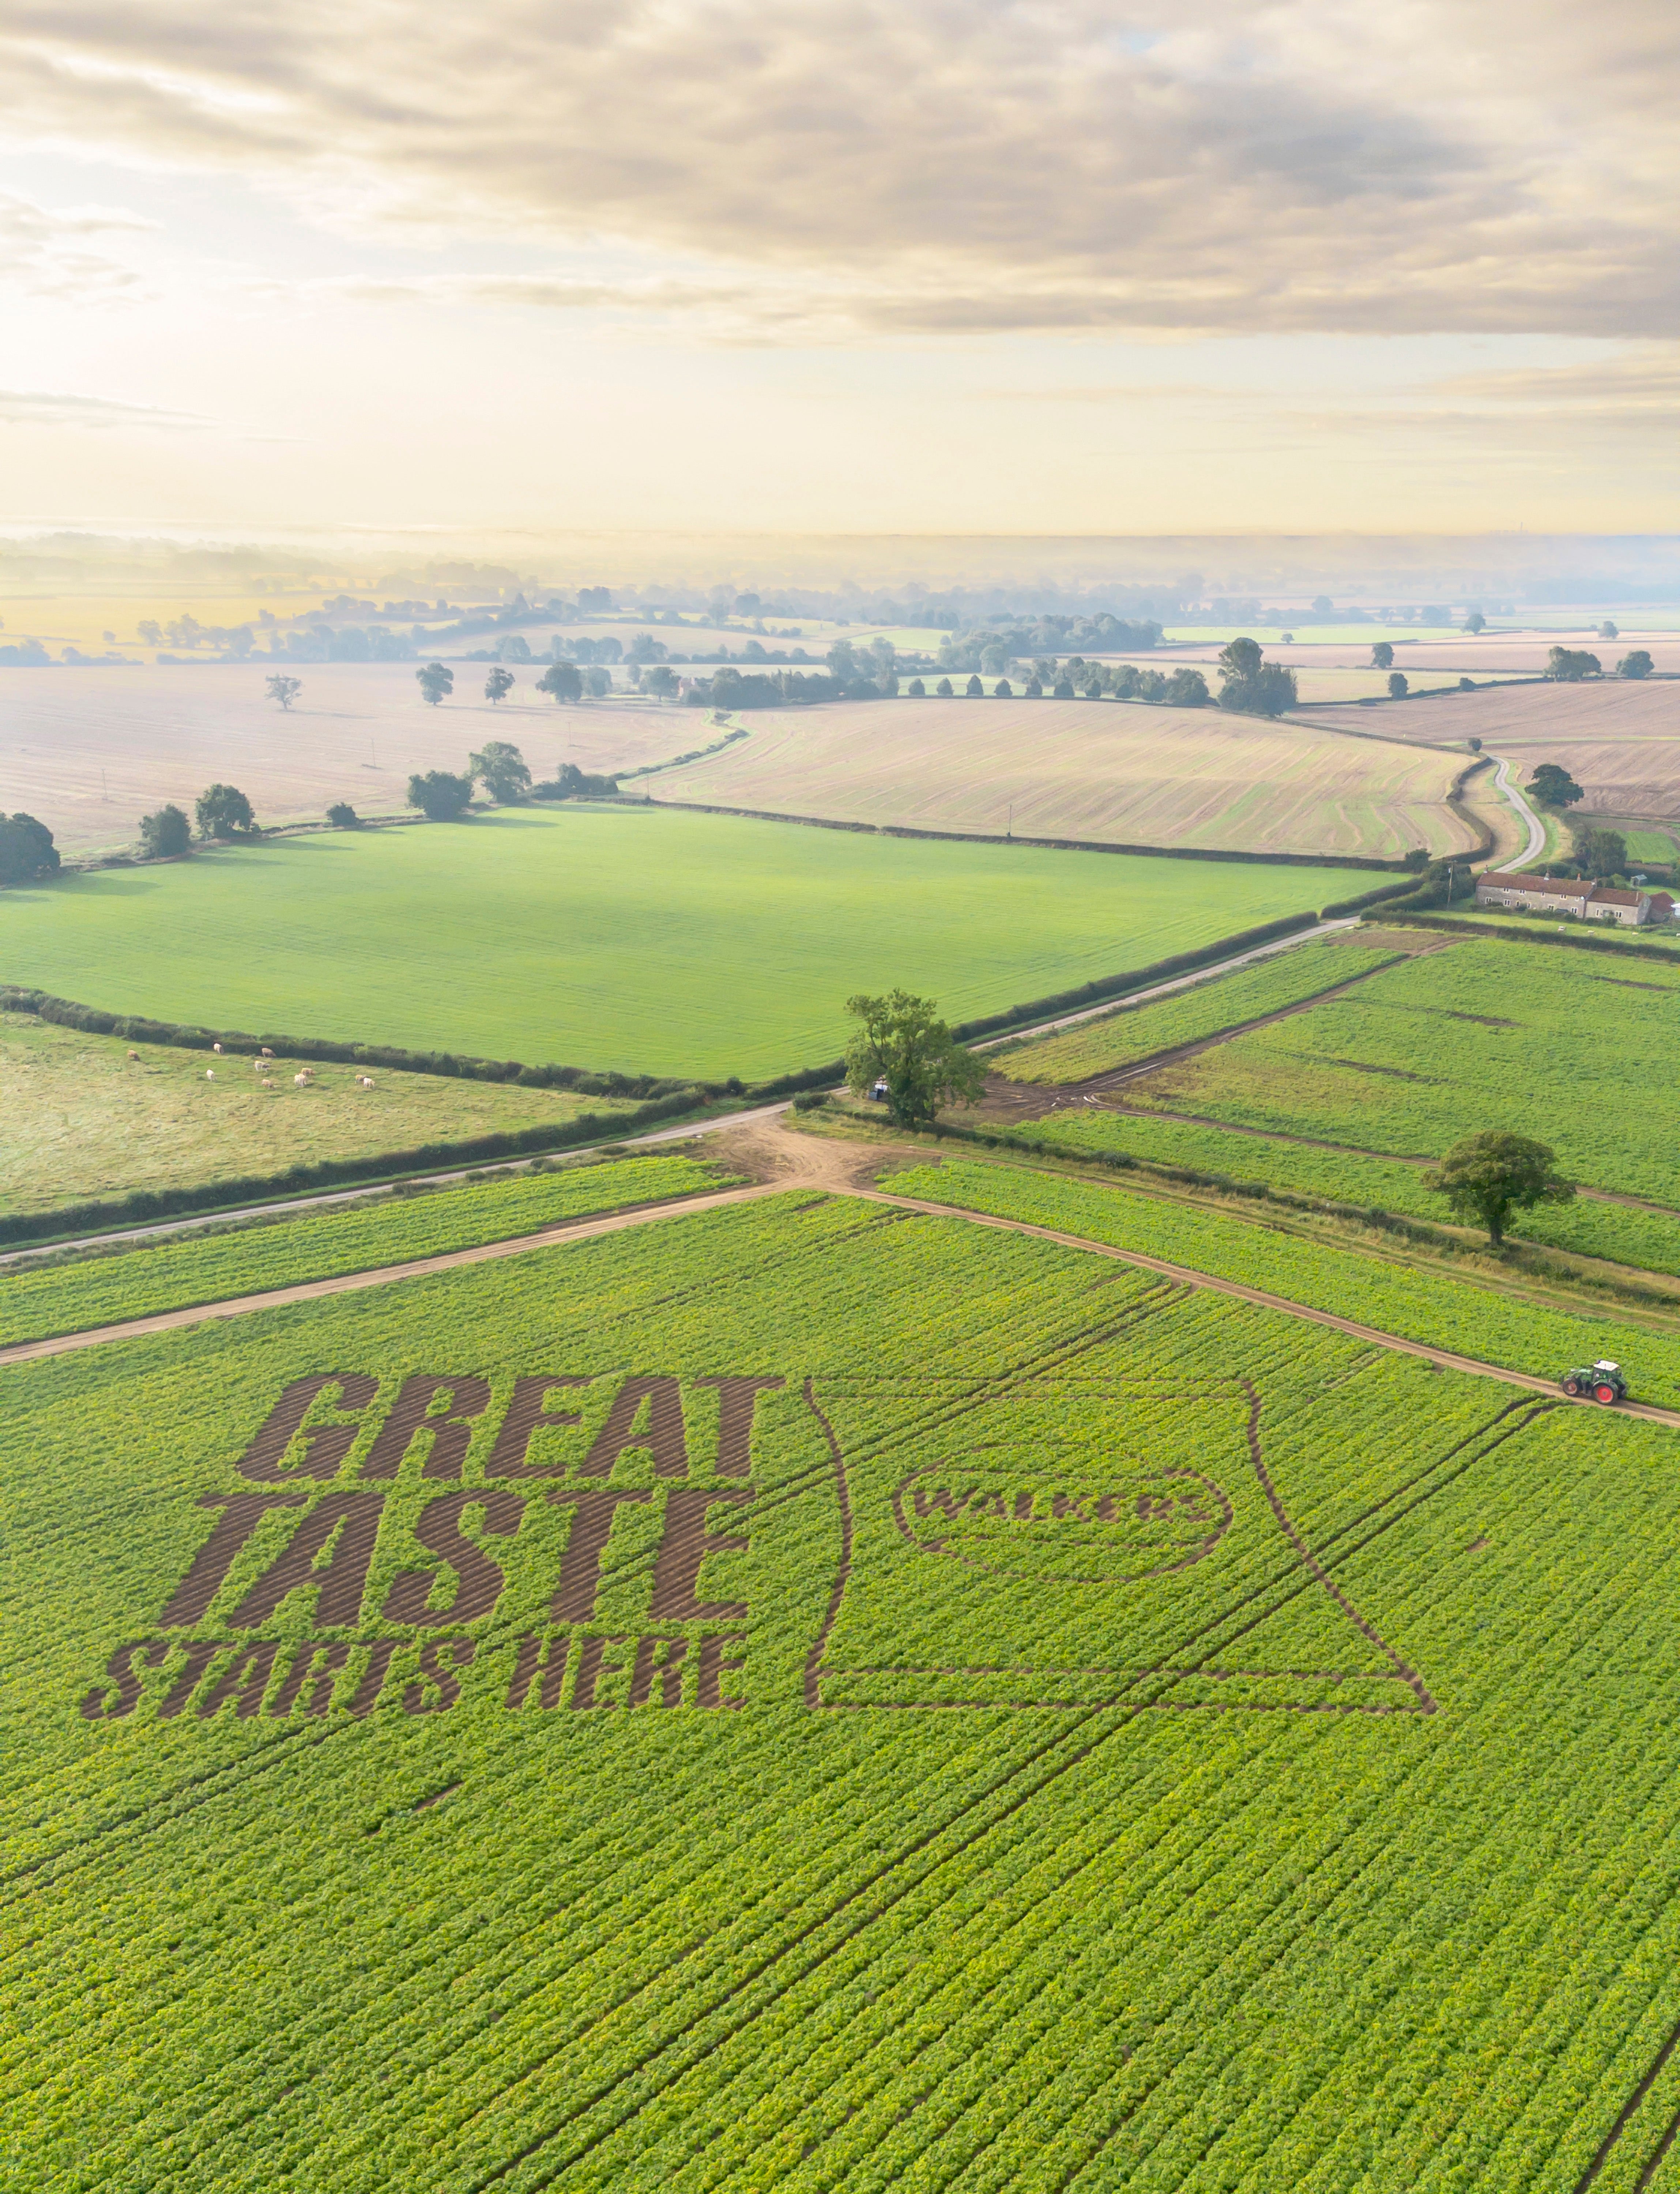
90	751
1029	1725
1123	772
83	1120
632	939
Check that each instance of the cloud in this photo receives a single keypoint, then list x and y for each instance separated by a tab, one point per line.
944	168
22	407
44	252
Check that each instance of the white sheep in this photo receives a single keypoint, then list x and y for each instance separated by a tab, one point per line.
210	1074
363	1082
301	1080
267	1053
217	1049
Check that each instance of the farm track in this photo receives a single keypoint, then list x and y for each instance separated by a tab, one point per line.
797	1162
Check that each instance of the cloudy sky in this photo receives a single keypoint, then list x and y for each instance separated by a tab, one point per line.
852	264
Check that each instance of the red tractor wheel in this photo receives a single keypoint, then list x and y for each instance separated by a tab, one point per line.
1572	1386
1605	1393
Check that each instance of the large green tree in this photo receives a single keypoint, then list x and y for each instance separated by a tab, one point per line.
1487	1177
436	680
498	686
1601	853
439	794
503	771
282	689
165	834
26	849
564	680
1552	785
902	1042
1572	663
1239	658
1635	664
1381	656
223	812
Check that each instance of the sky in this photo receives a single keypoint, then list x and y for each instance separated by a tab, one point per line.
847	266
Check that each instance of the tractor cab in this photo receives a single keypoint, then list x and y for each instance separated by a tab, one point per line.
1601	1381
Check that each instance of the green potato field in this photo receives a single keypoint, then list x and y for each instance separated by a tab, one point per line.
808	1695
644	941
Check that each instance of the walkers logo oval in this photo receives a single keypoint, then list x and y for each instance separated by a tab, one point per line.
1010	1511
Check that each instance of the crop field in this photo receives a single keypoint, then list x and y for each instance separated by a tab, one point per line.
83	1120
1620	740
109	1286
1135	1033
808	1695
1484	1035
90	751
616	938
1122	772
1624	1234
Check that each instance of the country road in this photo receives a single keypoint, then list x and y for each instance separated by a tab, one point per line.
1536	830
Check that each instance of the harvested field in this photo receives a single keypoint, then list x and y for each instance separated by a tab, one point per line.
1619	739
91	751
1099	770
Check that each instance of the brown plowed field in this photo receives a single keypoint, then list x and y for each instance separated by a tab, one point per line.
1620	740
1099	770
90	751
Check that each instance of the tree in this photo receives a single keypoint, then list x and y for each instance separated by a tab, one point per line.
1570	663
1063	690
1186	689
343	815
434	682
973	690
1240	659
1382	654
26	849
943	690
1269	692
1487	1177
165	834
564	680
1636	663
661	681
223	812
1608	631
1003	690
438	794
598	683
903	1044
1476	622
503	771
1553	786
498	683
1601	853
284	690
916	691
1398	688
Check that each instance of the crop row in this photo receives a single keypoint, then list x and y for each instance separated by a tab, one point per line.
1455	1315
1544	1044
1136	1032
1649	1240
650	1950
138	1281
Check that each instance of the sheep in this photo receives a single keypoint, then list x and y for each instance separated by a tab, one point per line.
267	1053
134	1054
301	1080
210	1074
217	1049
363	1082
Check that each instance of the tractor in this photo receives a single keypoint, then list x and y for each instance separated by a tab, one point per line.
1599	1383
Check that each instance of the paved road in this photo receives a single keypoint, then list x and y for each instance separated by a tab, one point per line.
1536	830
579	1230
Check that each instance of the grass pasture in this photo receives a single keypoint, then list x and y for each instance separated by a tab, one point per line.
84	1121
680	1814
639	940
1123	772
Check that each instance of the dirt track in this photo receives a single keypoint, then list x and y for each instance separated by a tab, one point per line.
785	1159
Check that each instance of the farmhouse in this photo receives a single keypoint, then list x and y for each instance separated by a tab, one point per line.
1585	899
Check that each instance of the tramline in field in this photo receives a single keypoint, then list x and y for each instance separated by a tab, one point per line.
810	1694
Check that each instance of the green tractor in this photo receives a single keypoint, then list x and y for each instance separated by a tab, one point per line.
1599	1382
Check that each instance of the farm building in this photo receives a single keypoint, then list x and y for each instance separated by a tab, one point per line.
1587	900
